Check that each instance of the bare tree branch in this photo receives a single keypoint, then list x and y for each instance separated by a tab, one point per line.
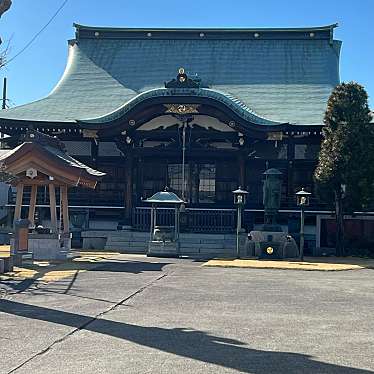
4	6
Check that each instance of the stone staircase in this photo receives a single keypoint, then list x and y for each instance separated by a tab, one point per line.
195	245
125	241
207	245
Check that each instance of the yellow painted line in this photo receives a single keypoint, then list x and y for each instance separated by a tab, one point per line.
96	253
48	276
57	275
4	251
293	265
45	271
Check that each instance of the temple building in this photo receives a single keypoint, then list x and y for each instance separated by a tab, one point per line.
201	111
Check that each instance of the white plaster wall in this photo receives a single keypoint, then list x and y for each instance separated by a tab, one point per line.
166	121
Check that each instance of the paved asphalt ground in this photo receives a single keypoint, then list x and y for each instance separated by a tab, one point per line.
133	314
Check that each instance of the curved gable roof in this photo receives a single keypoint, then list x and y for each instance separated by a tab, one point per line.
284	75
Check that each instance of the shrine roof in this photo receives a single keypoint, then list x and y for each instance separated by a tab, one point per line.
52	152
164	197
278	75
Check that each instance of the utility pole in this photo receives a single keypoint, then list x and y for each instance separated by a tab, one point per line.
4	94
3	107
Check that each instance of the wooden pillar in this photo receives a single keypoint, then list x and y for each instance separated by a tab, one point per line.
139	179
34	191
128	192
290	167
52	204
17	210
65	208
194	182
241	162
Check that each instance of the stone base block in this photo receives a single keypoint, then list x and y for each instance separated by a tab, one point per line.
163	249
49	247
6	265
94	243
283	245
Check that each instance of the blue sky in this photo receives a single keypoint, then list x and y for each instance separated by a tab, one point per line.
35	72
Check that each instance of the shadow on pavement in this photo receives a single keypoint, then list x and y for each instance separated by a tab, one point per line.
197	345
113	266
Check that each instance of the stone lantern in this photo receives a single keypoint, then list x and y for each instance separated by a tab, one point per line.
272	191
164	239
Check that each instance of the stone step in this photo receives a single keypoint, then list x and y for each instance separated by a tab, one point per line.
212	252
129	234
202	236
118	241
126	245
201	245
208	245
126	249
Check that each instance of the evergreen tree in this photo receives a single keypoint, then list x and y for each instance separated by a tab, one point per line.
346	160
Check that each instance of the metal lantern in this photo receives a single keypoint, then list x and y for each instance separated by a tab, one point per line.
240	196
302	201
302	197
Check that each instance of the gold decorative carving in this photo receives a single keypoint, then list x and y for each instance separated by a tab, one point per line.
275	136
89	133
182	108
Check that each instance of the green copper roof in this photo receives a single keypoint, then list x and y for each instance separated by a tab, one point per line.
225	99
224	32
281	75
164	197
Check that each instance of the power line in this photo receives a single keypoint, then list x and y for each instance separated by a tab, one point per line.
37	34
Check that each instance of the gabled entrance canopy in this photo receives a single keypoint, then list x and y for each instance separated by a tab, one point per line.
41	161
47	157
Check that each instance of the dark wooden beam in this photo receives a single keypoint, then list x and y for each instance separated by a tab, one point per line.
52	205
34	191
19	198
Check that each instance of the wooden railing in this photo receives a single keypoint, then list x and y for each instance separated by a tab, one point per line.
193	220
142	217
211	220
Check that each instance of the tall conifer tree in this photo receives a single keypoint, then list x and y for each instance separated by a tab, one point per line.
346	160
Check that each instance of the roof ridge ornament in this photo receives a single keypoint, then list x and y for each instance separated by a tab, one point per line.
182	108
183	81
34	136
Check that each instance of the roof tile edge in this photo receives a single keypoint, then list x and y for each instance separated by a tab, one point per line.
100	32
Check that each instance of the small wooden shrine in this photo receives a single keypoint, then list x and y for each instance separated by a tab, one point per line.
41	162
